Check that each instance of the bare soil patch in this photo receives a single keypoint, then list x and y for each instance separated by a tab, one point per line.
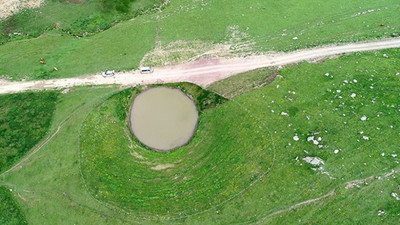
10	7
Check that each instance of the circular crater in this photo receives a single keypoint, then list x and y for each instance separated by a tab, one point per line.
228	154
163	118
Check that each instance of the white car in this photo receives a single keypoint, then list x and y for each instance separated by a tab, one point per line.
108	73
146	69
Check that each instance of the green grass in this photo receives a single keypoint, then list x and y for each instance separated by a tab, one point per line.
260	25
24	120
349	207
244	82
10	213
56	193
77	18
105	146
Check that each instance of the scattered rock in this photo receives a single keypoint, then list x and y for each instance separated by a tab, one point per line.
65	91
396	196
336	151
364	118
315	161
381	212
296	138
284	114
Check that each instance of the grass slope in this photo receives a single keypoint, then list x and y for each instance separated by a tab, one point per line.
318	100
247	26
244	82
10	213
24	120
78	17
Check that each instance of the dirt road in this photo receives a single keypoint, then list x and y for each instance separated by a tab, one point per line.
202	72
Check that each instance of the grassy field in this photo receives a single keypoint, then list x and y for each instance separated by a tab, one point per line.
244	26
244	82
25	120
350	104
77	18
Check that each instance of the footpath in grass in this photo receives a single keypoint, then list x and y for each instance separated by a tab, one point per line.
24	120
10	213
186	30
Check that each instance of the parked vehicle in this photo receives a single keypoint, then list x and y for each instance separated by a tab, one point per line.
108	73
146	69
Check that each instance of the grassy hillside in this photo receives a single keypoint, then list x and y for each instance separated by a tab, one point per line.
196	27
10	213
24	120
76	17
244	82
348	105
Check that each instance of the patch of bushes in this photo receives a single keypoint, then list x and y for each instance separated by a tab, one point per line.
24	120
10	213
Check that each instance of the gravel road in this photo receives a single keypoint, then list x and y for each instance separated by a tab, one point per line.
202	72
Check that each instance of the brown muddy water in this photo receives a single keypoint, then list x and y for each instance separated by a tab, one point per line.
163	118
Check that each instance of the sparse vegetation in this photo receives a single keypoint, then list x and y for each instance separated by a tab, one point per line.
24	120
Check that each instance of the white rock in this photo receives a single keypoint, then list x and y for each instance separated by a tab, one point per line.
327	74
394	155
319	139
313	160
366	138
315	142
311	138
295	38
364	118
296	138
381	212
355	81
284	114
65	91
353	95
338	91
382	154
396	196
336	151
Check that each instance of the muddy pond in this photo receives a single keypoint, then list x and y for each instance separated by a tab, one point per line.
163	118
